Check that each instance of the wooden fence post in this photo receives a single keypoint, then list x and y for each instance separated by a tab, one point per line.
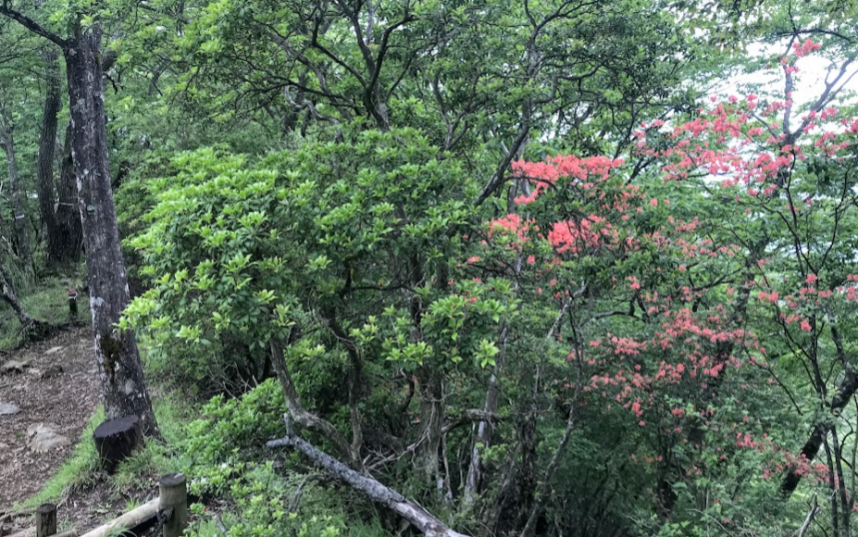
173	503
72	304
46	520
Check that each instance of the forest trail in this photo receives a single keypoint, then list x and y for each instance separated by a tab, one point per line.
48	392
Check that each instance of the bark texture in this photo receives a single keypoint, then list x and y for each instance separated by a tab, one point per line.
69	230
61	221
123	384
47	142
432	409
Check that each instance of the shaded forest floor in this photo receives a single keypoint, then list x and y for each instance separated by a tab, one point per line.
50	390
52	387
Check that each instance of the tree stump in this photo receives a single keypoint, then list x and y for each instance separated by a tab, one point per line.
116	440
46	520
173	502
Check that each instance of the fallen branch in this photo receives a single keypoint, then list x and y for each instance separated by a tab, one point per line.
9	515
419	517
220	525
471	416
33	329
29	532
131	519
813	511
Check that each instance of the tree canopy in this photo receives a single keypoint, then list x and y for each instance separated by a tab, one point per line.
521	268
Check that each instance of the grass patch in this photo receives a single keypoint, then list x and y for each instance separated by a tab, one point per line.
140	471
78	472
157	458
48	302
253	498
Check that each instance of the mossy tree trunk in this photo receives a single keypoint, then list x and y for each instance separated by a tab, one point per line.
123	384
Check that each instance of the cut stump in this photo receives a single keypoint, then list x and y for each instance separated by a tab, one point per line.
116	440
46	520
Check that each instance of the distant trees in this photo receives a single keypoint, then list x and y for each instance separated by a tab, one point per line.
124	390
58	205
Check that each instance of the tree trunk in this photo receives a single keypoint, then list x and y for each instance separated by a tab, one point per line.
845	390
116	440
123	384
544	488
19	209
431	390
18	198
46	520
47	145
484	429
69	232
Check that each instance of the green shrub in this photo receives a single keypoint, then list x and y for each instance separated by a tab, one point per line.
238	252
228	460
230	426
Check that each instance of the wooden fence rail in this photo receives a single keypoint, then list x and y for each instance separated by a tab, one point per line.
169	511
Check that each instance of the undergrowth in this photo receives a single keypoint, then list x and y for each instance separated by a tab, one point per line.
81	471
48	303
230	466
219	445
240	491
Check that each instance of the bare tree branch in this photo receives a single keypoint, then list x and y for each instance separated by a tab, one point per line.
31	25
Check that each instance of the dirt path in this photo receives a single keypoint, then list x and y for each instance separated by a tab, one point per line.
48	391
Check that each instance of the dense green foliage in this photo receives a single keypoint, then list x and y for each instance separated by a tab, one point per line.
507	258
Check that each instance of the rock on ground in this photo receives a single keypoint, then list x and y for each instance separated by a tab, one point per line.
60	396
7	409
45	438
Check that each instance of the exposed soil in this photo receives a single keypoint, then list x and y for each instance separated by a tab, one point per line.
88	509
55	385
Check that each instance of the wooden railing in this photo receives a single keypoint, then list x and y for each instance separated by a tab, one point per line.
169	511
